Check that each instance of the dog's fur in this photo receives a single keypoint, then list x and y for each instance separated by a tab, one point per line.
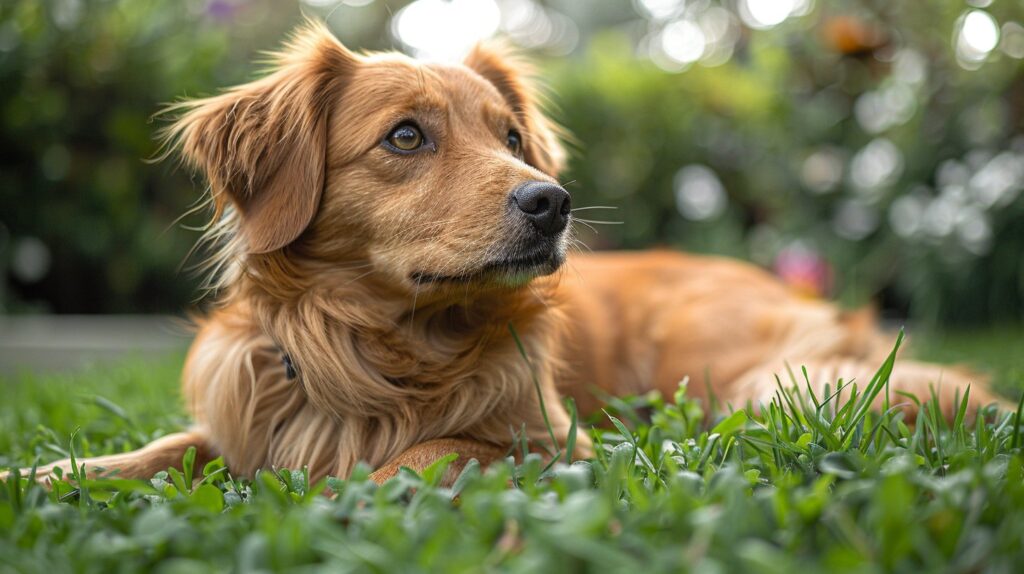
374	273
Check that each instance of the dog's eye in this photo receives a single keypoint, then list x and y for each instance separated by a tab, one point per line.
406	137
514	142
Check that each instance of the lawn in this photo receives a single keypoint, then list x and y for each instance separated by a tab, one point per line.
806	484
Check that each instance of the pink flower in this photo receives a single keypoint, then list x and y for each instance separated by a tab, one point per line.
804	270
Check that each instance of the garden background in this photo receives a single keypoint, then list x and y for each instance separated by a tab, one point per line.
868	150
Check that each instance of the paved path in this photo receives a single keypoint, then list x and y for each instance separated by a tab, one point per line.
63	342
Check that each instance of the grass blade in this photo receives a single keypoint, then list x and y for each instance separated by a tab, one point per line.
536	385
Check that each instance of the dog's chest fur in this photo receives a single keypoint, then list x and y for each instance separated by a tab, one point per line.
371	381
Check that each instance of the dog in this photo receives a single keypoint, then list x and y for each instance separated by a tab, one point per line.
392	281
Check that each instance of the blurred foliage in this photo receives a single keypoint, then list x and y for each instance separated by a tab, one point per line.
853	146
778	125
81	83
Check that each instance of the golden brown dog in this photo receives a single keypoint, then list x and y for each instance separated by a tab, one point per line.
382	222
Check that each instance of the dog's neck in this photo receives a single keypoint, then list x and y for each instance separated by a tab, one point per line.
360	347
373	377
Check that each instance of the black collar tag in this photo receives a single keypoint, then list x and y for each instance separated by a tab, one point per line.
288	366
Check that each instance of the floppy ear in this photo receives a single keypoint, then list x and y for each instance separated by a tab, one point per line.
263	145
511	75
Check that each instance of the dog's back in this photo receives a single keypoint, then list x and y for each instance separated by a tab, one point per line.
647	320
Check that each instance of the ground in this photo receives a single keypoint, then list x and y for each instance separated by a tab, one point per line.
821	488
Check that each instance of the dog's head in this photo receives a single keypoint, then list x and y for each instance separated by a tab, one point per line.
437	175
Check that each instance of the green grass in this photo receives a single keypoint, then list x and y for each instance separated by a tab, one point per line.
815	487
996	351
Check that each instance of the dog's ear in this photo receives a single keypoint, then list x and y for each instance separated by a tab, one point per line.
263	145
512	76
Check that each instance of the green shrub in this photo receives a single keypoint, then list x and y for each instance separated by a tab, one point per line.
853	140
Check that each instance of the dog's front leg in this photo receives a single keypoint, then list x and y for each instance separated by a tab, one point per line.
143	463
426	453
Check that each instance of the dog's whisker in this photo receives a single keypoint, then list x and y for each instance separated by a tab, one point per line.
598	222
575	209
577	243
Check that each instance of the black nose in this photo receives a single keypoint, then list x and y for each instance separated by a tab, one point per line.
545	204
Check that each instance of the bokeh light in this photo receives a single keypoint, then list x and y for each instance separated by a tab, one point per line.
879	110
700	195
659	9
906	214
977	36
822	171
855	219
445	29
30	259
1012	43
999	182
876	165
532	25
766	14
683	41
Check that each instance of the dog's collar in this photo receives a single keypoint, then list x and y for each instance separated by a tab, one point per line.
289	367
